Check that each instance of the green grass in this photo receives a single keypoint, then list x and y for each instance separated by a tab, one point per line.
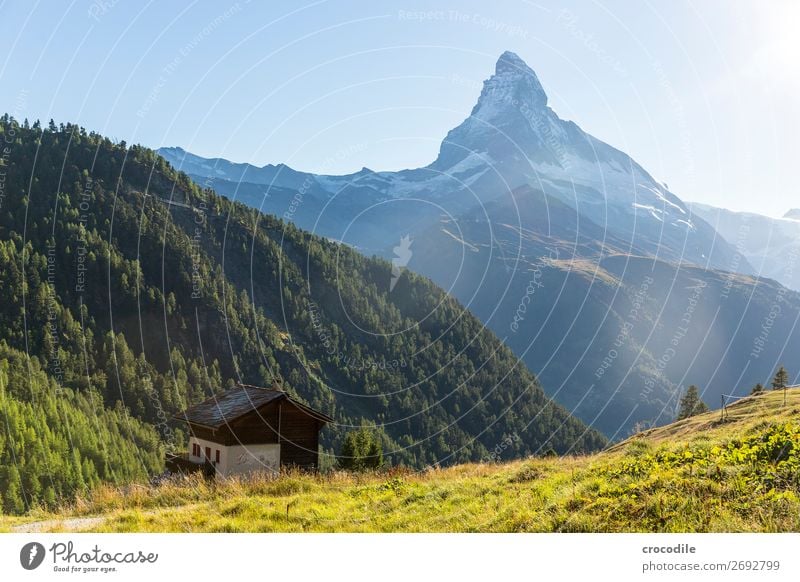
699	474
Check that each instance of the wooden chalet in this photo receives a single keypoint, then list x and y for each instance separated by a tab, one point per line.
248	429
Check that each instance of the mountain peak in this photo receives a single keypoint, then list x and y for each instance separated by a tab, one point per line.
512	96
509	61
509	118
793	214
515	83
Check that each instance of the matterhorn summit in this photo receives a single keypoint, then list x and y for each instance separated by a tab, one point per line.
514	86
511	141
510	121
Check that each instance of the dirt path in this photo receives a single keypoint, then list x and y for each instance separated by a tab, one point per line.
71	525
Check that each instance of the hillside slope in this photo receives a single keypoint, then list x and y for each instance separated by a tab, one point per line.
696	475
123	280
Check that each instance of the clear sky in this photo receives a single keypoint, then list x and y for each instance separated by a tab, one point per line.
703	94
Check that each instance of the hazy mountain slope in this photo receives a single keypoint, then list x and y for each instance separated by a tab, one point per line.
771	245
128	281
530	221
594	319
614	336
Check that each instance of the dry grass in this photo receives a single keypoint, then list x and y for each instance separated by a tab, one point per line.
699	474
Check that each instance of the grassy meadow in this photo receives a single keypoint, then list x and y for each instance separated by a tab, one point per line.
697	475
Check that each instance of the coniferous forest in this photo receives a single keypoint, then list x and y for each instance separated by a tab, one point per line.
128	292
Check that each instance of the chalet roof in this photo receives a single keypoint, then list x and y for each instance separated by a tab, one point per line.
224	408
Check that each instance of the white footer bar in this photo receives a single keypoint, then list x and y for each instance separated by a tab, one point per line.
399	557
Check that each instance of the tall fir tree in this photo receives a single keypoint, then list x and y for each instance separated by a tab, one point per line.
781	379
691	404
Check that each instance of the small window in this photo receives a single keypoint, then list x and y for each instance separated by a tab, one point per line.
217	456
208	453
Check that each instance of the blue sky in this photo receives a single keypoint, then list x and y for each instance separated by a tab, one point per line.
702	94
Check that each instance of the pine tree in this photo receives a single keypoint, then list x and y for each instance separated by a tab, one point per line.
374	458
757	389
691	404
361	450
349	454
781	379
12	496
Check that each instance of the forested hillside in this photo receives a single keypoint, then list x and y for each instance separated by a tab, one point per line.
129	292
55	441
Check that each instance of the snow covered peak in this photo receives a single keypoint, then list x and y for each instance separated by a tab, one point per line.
513	88
509	61
510	121
793	214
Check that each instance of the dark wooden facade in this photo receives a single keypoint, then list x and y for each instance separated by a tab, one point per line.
281	422
248	415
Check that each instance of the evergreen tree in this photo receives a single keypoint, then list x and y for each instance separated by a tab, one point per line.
781	379
757	389
374	458
58	442
691	404
361	451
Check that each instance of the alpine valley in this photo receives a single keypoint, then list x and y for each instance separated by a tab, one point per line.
128	294
614	292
